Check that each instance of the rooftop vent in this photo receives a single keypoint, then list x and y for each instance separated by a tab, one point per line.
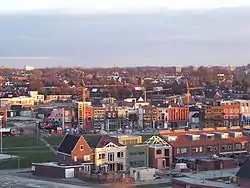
193	137
208	136
236	134
171	138
222	135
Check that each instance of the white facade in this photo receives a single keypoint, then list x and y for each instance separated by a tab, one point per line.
142	173
38	98
28	68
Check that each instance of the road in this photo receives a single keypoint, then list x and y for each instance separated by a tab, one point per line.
9	178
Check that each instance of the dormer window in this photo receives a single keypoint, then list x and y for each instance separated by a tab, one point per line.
210	137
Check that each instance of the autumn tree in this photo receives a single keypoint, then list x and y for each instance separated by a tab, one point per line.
36	85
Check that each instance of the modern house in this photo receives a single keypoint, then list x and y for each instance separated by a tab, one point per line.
110	155
74	149
160	152
137	155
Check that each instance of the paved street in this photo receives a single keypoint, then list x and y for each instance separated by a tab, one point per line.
9	178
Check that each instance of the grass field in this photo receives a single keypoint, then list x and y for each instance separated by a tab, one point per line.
28	149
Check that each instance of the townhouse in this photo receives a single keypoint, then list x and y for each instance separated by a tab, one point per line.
204	144
223	114
3	117
98	118
147	117
111	117
178	117
137	151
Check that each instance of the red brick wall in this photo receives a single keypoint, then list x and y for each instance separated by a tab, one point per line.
80	154
177	114
89	117
3	112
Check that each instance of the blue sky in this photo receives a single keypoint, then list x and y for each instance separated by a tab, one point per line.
94	6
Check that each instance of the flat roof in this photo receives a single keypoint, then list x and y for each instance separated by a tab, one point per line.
55	164
199	182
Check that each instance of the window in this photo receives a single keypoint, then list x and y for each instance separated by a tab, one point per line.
89	119
238	146
215	148
210	148
110	156
183	150
195	150
224	147
210	137
141	153
178	150
119	154
101	156
81	147
86	158
158	152
201	149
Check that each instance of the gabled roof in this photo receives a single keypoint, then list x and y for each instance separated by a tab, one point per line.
93	140
106	140
244	170
157	140
68	144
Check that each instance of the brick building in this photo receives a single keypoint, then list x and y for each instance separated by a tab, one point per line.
3	113
178	117
223	114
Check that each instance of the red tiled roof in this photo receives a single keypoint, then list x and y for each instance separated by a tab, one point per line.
184	141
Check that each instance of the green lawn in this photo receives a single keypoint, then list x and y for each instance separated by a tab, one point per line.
28	149
27	158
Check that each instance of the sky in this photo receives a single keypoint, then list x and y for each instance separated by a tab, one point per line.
112	6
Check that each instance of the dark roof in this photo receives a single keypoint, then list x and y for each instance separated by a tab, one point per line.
196	115
106	140
68	143
193	108
146	137
93	140
244	170
9	95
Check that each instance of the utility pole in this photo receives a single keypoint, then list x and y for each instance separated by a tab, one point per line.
1	122
63	118
37	134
